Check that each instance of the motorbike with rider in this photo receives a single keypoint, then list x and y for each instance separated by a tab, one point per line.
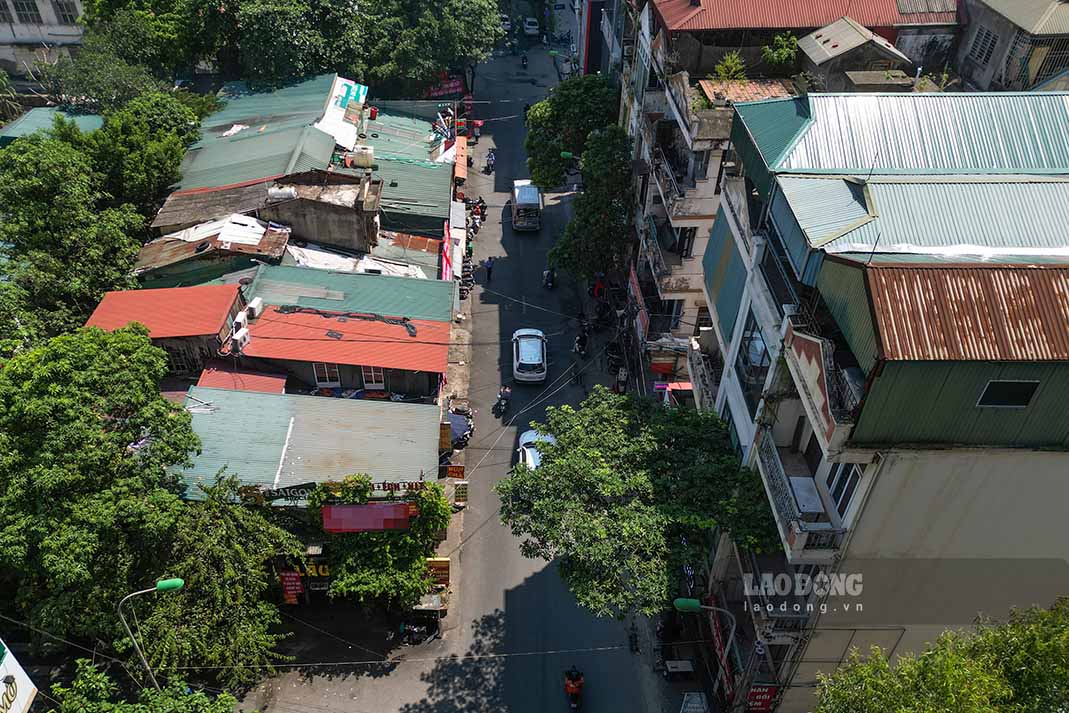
504	398
573	687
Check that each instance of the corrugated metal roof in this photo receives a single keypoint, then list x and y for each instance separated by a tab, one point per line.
789	14
745	90
169	312
299	104
310	336
191	208
227	375
917	133
996	313
910	7
275	440
40	118
992	216
1039	17
171	250
773	124
353	292
840	37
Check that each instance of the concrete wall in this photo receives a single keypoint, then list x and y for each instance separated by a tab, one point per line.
930	48
866	57
412	383
324	223
984	76
21	44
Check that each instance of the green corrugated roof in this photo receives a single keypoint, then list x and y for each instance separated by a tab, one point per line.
928	133
280	138
774	124
273	440
823	208
353	292
41	118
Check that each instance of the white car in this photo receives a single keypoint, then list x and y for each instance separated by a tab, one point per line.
528	449
529	357
530	27
506	23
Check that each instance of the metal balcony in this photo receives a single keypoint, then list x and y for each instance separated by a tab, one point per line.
803	541
736	202
706	368
665	178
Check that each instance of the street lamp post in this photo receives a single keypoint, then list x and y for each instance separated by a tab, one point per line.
694	606
163	585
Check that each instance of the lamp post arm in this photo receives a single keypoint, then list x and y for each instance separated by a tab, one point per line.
144	662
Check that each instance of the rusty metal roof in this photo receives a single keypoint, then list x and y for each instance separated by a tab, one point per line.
745	90
969	313
684	15
170	250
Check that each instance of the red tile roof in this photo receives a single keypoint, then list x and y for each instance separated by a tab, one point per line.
170	312
745	90
996	313
681	15
224	375
302	336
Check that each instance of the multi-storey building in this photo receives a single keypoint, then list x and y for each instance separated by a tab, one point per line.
32	30
888	279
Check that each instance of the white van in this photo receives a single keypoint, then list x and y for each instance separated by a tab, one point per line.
526	206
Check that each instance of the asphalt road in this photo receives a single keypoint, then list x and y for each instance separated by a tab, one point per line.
517	627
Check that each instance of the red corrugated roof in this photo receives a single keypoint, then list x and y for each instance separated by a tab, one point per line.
223	375
680	15
996	313
168	312
303	337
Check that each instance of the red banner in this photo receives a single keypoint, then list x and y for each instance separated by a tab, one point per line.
373	517
722	655
762	696
291	585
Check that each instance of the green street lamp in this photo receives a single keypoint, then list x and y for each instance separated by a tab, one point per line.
567	155
554	53
694	606
163	585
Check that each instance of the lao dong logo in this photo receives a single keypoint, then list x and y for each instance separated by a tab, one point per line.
837	584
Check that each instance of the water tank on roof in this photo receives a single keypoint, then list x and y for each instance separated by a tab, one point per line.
281	193
360	157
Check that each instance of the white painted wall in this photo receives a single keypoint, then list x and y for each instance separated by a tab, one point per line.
21	44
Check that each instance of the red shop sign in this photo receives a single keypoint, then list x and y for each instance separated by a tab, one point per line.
761	697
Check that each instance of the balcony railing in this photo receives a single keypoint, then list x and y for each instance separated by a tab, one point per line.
813	357
773	624
651	247
706	370
780	282
666	179
734	192
804	541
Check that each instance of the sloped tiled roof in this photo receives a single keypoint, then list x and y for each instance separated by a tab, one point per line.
745	90
227	375
842	36
169	312
683	15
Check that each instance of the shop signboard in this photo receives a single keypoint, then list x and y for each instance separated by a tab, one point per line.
761	698
445	436
460	493
17	691
439	567
290	492
292	586
455	471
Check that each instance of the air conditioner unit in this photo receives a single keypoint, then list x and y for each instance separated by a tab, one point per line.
255	308
241	320
240	340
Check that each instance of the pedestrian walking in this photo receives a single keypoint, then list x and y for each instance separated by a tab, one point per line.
489	264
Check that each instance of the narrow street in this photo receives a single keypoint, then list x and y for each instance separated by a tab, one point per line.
515	627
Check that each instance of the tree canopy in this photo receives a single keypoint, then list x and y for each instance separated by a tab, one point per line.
93	691
1017	666
388	567
564	121
599	235
624	482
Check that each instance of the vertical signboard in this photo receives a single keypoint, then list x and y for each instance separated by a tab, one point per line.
16	690
291	586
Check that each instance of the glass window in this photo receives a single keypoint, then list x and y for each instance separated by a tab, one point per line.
983	46
842	482
1008	394
66	12
326	374
752	364
374	377
5	12
28	12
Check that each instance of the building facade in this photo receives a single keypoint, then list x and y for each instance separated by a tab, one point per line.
1013	45
888	347
33	30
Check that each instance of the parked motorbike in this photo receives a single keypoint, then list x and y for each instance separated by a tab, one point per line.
504	398
523	60
573	687
579	347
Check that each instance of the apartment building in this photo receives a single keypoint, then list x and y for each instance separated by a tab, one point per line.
680	130
32	30
888	280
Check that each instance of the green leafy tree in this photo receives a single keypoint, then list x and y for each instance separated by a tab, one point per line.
93	691
223	550
611	497
279	41
9	103
58	248
387	567
1017	666
599	234
731	66
87	505
783	51
564	121
96	79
